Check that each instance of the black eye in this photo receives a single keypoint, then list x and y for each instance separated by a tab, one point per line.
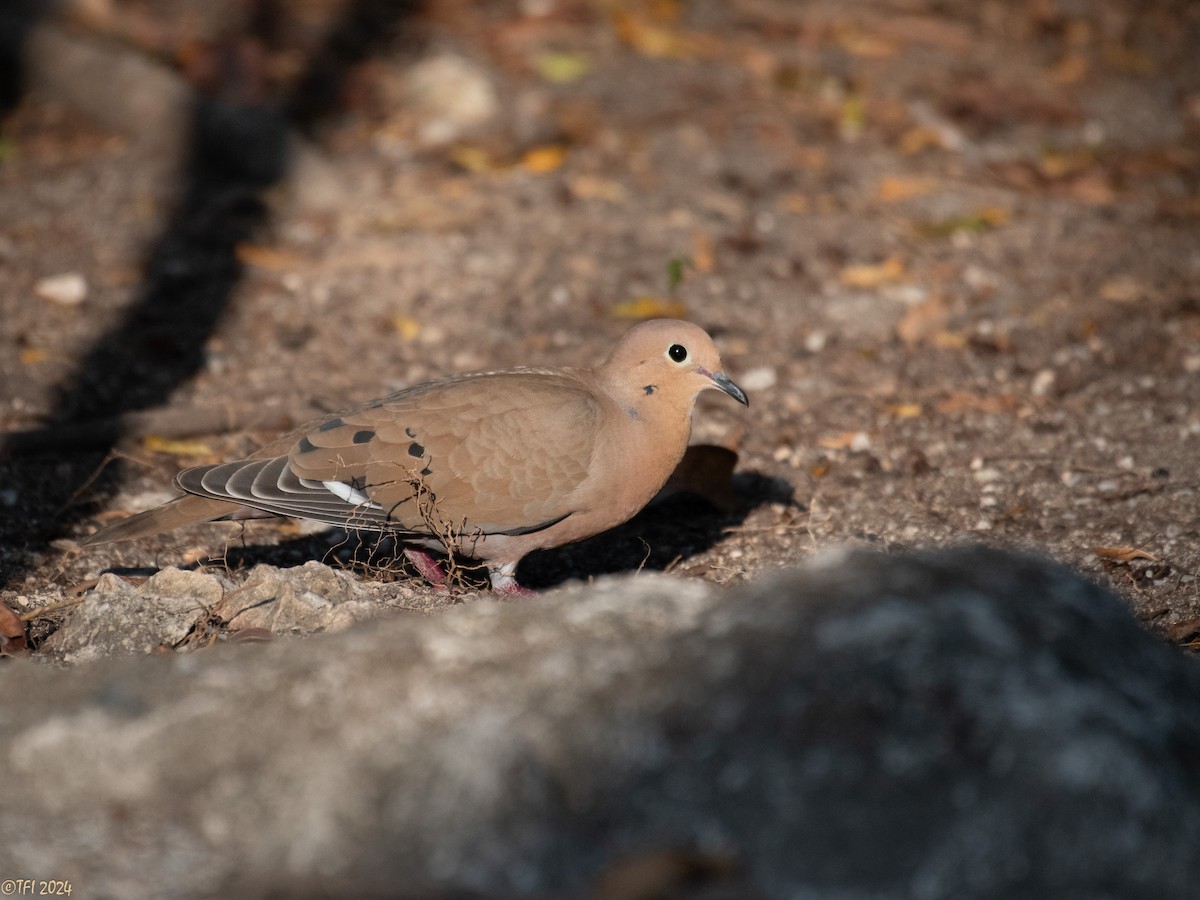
678	353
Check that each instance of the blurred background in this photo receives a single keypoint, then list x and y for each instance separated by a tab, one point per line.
949	249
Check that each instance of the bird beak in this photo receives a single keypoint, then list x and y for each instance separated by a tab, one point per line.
724	383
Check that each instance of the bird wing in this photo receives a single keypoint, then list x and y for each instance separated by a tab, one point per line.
502	452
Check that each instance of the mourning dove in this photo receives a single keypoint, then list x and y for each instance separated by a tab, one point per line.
489	466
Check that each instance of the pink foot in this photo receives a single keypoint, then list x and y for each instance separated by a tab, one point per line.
504	581
427	567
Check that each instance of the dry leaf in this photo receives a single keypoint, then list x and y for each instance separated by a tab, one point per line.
865	45
1182	631
650	308
895	188
702	252
1123	555
270	258
949	340
31	356
873	275
12	633
406	327
922	137
964	401
651	40
1071	70
544	159
1123	289
847	440
156	444
589	187
1059	164
923	320
472	159
982	220
561	68
905	410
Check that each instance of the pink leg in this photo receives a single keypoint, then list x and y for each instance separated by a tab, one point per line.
504	581
427	567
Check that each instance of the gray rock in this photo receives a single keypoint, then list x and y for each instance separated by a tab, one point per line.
118	619
961	724
306	599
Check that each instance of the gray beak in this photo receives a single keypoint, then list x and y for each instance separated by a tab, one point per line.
721	380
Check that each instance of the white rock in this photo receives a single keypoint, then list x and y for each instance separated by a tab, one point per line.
67	289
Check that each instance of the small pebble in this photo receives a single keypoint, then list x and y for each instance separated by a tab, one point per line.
758	379
67	289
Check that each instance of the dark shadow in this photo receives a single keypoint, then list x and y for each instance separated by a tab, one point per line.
17	18
238	147
663	535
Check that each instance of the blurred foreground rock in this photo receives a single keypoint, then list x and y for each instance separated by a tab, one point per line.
961	724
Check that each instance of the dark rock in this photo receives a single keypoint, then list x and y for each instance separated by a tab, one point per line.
959	724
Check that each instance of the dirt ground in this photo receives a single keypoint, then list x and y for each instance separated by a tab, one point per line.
949	249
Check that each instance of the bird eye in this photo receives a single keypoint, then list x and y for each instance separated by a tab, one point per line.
678	353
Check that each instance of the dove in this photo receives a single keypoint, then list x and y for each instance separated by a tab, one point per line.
488	466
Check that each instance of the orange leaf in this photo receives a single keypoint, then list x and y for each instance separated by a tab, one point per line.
12	633
905	410
407	328
1125	554
895	188
702	252
270	258
650	308
873	274
544	159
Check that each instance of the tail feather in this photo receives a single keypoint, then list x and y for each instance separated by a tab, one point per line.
182	511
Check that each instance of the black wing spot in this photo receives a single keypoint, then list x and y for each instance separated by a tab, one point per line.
306	446
649	389
331	424
415	450
361	437
427	471
412	435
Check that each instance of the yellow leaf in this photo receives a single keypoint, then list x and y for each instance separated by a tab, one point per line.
473	159
650	308
270	258
407	328
853	118
895	188
156	444
981	220
649	40
905	410
544	159
31	356
873	275
949	340
562	68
